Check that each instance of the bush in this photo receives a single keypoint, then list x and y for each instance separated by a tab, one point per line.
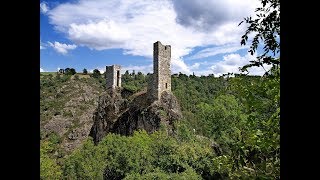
118	157
96	73
70	71
76	77
49	169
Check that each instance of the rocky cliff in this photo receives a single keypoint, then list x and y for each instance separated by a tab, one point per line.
120	115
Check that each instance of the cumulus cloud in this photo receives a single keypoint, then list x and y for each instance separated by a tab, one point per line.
229	63
135	25
217	50
61	47
232	62
210	14
195	66
44	7
41	70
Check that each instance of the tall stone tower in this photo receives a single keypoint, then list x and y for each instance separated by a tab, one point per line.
161	79
113	76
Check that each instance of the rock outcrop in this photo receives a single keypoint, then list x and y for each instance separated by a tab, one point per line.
116	114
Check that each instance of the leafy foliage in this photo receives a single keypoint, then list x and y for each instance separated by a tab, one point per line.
250	142
70	71
85	71
239	113
134	82
142	156
96	73
49	169
266	28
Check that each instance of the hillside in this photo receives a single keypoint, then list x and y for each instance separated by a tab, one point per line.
67	104
238	115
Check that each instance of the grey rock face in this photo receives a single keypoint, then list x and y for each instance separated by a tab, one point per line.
107	112
115	115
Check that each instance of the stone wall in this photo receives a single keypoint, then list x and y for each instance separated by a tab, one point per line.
161	80
113	76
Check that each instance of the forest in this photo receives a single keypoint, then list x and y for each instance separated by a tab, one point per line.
239	112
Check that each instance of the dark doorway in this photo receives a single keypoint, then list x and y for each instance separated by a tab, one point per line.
118	78
166	85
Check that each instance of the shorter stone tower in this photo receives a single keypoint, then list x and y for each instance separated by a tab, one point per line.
161	78
113	76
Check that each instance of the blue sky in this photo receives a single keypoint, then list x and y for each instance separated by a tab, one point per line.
204	35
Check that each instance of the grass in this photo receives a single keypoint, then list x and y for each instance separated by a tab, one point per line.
80	75
83	75
47	73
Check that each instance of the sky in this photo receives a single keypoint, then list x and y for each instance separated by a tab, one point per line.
204	35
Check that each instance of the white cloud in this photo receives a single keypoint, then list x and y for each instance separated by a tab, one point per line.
42	45
135	25
209	14
41	70
62	48
232	62
195	66
43	7
101	69
145	69
217	50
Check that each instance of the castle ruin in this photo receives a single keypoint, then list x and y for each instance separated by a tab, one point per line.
123	114
113	76
161	79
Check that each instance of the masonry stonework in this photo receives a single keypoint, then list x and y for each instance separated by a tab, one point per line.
161	78
113	76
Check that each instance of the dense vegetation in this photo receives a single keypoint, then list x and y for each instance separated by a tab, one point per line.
240	113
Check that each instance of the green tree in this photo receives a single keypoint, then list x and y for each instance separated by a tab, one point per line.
85	163
139	76
49	169
85	71
267	29
70	71
187	174
126	77
96	73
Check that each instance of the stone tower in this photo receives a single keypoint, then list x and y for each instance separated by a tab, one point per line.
113	76
161	79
